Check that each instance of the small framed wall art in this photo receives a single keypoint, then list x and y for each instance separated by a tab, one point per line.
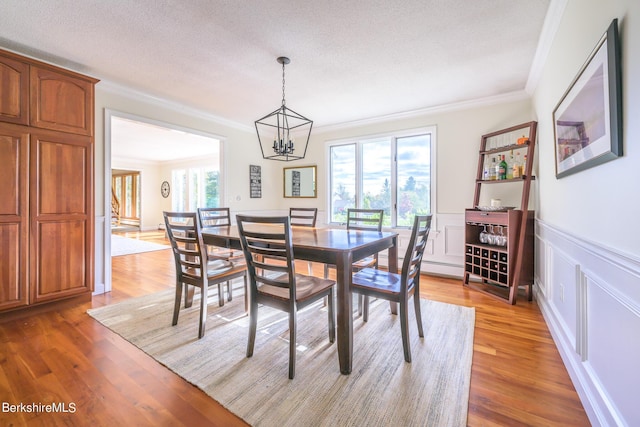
255	181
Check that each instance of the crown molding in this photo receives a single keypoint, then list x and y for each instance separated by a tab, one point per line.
547	35
446	108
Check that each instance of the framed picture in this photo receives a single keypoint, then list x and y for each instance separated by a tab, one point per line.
255	181
588	118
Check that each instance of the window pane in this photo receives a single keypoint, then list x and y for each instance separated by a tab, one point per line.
343	181
376	177
211	189
128	195
194	190
179	193
414	178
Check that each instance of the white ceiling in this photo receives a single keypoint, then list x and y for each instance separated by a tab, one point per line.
350	60
133	140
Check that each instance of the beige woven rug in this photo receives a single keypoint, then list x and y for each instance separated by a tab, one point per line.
382	390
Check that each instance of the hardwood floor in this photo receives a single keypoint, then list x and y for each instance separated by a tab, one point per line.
64	356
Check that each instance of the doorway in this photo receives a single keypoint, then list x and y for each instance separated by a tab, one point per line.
144	152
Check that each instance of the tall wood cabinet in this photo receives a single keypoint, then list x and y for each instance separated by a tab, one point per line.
46	183
502	264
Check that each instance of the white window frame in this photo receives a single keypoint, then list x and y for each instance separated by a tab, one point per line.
393	135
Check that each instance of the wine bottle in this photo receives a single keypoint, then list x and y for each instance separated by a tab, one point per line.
524	166
510	166
502	169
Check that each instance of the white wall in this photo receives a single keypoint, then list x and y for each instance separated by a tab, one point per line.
594	203
587	256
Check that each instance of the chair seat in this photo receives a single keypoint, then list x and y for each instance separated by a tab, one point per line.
219	269
306	287
372	281
364	263
215	253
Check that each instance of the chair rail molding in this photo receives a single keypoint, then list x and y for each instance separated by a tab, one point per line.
589	295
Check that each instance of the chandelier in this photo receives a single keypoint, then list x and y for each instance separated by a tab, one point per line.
283	134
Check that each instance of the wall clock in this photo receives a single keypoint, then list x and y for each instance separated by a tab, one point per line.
165	189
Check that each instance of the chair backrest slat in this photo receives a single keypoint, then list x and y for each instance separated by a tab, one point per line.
365	219
305	217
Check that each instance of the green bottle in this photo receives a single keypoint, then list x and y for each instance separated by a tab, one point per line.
502	169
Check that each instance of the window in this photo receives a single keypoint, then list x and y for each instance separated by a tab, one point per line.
126	190
195	188
390	172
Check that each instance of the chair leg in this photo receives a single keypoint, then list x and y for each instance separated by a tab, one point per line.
326	276
416	304
188	296
246	294
365	307
404	329
332	320
176	305
203	311
253	325
220	294
229	291
292	344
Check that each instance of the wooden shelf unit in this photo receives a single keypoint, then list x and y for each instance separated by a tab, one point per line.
501	270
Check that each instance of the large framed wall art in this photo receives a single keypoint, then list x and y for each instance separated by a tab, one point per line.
588	118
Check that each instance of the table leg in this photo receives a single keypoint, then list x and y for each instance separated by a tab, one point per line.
345	316
393	268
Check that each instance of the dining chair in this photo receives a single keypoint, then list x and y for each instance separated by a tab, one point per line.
304	217
277	284
362	219
193	268
398	288
219	217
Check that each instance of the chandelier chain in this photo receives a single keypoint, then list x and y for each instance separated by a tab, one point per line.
283	101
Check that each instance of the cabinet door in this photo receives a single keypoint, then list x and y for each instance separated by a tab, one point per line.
61	254
14	91
61	101
14	216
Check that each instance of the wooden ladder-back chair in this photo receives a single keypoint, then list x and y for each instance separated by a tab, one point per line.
399	287
276	284
367	220
193	267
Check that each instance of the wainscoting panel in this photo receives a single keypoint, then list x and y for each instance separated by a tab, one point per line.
590	298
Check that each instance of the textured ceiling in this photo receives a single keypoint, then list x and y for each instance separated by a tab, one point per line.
350	60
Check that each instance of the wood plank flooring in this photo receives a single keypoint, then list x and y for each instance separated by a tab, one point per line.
64	356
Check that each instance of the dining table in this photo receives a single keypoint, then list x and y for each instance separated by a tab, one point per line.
335	246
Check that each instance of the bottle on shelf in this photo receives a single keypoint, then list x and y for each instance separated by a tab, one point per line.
502	168
510	166
492	170
523	168
485	171
515	167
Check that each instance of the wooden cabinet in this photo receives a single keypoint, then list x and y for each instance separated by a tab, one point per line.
47	209
502	265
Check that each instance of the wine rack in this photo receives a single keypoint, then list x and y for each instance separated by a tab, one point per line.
501	270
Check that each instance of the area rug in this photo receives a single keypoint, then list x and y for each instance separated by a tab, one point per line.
125	246
382	390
